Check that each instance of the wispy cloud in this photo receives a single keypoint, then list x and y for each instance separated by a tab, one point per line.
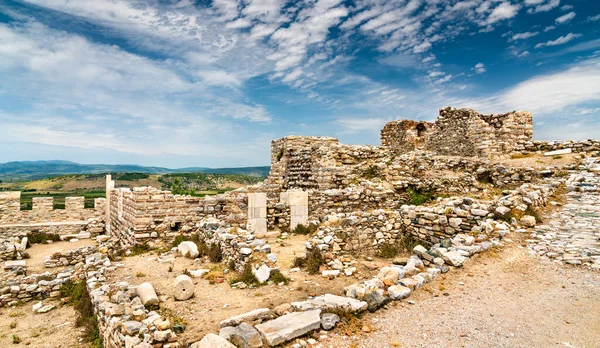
565	18
560	41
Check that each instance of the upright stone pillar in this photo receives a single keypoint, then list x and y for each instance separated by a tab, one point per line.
110	185
257	214
298	203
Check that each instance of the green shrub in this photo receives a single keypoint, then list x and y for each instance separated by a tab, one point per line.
419	197
303	229
406	243
215	254
314	260
247	277
277	277
299	262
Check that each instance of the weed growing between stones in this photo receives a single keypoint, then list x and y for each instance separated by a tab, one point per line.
419	197
41	238
277	277
215	254
312	262
371	172
246	277
79	297
172	317
404	244
533	212
304	230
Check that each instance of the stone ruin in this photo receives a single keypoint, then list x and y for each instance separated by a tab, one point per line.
358	198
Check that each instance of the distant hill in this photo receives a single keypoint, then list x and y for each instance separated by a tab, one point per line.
34	170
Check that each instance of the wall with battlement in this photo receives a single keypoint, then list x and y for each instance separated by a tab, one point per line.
43	218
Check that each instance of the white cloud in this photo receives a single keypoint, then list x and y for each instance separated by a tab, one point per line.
560	41
523	36
523	54
503	11
566	7
594	18
436	73
423	47
548	93
565	18
542	6
548	28
479	68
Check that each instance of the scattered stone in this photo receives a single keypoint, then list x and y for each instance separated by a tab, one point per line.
147	294
328	321
183	288
212	341
262	274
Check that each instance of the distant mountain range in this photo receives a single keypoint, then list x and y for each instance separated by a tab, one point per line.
34	170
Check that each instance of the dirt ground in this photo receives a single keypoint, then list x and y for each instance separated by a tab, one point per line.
38	253
54	329
508	299
540	161
215	302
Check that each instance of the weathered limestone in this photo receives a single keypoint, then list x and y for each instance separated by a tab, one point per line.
188	249
212	341
257	214
331	302
183	288
255	315
147	294
289	326
298	203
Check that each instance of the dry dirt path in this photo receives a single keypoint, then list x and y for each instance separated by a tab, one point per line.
508	299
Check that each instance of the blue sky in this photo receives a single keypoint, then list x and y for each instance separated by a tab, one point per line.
211	83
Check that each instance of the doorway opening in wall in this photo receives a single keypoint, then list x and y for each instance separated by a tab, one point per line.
175	226
420	129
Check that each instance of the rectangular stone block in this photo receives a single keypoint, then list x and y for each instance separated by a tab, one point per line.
289	326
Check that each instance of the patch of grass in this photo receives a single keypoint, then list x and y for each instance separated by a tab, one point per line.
41	238
13	324
406	243
140	248
140	274
277	277
15	339
304	230
299	262
16	314
246	277
557	157
350	322
79	297
419	197
46	277
171	316
215	254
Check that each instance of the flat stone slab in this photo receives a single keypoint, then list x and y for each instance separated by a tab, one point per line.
212	341
289	326
15	264
257	314
558	152
329	302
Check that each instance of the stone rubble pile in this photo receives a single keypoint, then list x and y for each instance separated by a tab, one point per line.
13	248
69	257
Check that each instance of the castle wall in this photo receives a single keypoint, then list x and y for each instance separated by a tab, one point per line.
43	218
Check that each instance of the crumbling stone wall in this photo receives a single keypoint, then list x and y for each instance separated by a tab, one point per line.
406	135
461	132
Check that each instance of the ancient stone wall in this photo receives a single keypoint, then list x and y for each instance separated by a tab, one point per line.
148	213
43	218
461	132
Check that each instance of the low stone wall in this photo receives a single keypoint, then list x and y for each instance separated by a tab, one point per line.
70	257
368	230
575	146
